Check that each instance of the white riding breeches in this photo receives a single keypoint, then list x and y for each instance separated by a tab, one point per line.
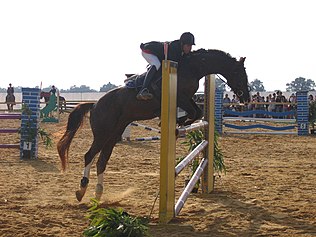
152	59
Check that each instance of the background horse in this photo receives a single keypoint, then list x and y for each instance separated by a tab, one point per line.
119	107
62	100
10	100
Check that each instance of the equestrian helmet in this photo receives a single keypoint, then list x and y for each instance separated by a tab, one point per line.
187	38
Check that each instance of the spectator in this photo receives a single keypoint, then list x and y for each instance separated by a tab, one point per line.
311	98
292	100
226	99
226	102
235	101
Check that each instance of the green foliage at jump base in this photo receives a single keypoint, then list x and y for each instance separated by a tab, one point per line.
193	139
32	131
114	223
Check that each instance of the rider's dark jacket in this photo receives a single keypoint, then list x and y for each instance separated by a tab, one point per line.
157	48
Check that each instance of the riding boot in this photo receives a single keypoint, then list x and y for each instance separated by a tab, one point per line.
144	93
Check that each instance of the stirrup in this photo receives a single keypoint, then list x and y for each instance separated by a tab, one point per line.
144	94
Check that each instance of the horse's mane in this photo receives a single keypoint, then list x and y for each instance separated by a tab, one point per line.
211	51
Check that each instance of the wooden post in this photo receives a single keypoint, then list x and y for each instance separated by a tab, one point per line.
209	116
168	141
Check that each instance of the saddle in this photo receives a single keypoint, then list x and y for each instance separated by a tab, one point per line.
135	81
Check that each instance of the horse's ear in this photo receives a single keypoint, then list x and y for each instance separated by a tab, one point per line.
242	59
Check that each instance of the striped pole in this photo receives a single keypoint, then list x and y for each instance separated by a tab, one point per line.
192	127
193	154
10	130
147	138
10	116
145	127
188	189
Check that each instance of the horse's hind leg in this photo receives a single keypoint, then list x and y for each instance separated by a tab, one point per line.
89	158
101	165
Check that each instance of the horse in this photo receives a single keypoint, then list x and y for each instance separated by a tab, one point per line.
62	100
10	100
119	107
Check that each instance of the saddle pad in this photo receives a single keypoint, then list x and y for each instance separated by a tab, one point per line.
135	81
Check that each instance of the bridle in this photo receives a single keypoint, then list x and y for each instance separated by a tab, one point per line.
239	92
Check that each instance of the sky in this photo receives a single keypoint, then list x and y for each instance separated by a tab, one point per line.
73	42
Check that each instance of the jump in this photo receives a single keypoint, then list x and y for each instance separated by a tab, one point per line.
62	100
119	107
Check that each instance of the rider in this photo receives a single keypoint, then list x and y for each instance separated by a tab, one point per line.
153	52
10	98
10	90
53	90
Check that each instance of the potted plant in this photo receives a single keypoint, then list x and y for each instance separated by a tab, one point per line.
32	131
194	138
312	116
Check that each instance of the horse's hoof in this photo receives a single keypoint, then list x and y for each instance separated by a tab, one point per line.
79	195
98	192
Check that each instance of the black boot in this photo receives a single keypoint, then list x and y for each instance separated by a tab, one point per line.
144	93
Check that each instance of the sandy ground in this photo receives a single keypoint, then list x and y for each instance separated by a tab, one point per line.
269	188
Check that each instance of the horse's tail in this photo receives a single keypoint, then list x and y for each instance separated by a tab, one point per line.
75	120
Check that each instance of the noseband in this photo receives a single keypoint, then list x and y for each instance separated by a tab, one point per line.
239	93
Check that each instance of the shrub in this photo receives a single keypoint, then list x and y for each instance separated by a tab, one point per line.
114	223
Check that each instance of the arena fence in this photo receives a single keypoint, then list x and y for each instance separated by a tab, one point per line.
297	116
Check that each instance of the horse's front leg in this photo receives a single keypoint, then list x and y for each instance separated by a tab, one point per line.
193	111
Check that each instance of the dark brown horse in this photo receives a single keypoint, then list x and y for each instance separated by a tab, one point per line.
62	100
119	107
10	100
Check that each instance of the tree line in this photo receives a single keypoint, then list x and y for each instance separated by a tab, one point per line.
72	89
299	84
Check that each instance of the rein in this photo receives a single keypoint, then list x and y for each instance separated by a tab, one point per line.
219	77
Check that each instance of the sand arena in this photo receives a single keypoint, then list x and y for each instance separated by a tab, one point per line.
269	188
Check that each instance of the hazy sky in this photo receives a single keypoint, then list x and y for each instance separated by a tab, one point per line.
74	42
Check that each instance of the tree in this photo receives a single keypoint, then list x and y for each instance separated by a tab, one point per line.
81	89
301	84
107	87
256	85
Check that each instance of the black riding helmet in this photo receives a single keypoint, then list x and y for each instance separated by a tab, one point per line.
187	38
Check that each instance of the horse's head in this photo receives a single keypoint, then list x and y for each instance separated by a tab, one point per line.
238	81
46	95
203	62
